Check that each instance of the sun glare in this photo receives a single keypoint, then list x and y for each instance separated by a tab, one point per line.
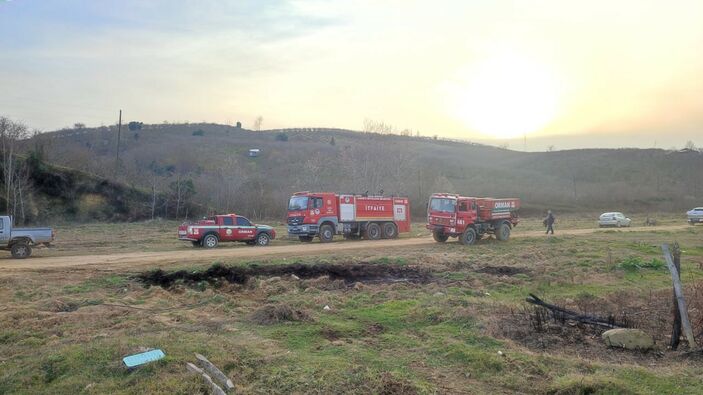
506	96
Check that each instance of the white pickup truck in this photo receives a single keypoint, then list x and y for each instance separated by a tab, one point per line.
19	241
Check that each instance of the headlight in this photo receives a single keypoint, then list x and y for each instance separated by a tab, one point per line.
190	229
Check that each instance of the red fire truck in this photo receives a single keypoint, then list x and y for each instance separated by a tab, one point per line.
470	218
325	214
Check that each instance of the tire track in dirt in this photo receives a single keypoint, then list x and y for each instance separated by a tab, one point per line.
164	258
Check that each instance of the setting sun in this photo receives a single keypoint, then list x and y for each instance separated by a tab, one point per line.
505	96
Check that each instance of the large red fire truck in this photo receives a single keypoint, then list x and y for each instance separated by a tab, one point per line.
325	214
470	218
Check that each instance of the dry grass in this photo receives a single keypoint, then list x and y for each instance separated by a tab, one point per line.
65	332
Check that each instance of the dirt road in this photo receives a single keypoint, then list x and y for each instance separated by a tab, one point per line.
140	260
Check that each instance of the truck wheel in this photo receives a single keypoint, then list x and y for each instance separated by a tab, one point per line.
263	239
326	233
468	237
21	250
210	241
373	231
502	232
439	237
196	244
305	239
390	231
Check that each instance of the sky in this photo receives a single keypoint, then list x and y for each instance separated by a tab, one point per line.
527	74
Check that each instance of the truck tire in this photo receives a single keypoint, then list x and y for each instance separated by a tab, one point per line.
326	233
468	237
373	231
210	241
263	239
502	232
390	231
21	250
439	237
305	239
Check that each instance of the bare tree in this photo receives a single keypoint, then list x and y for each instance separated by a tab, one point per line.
15	174
371	126
258	122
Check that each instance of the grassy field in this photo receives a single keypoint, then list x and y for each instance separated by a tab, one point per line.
100	238
464	329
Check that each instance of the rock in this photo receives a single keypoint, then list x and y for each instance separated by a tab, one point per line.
438	294
294	277
327	308
273	279
630	339
501	353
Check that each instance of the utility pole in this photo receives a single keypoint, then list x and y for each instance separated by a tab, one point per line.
119	133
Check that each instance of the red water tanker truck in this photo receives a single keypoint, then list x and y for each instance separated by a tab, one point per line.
470	218
325	214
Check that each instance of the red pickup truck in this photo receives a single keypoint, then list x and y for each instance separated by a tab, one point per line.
210	232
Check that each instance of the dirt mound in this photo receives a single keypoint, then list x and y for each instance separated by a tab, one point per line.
274	314
348	272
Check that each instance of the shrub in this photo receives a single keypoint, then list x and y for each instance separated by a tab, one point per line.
635	263
281	137
198	132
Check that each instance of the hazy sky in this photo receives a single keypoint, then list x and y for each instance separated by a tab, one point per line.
630	71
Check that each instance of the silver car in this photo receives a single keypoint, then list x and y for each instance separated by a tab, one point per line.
695	216
613	219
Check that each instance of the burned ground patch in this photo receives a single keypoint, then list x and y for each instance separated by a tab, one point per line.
503	270
350	273
541	330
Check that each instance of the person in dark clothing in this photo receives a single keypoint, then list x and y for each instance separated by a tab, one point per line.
549	222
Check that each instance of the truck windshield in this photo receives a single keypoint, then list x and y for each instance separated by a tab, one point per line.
443	205
298	203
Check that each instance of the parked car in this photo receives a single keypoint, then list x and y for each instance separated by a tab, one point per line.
210	232
613	219
19	241
695	215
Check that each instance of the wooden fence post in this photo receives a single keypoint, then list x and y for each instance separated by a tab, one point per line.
681	302
676	330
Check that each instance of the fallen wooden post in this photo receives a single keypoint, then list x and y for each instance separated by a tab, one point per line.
208	380
215	372
681	302
572	315
216	390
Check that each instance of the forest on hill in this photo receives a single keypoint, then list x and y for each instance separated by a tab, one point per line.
184	170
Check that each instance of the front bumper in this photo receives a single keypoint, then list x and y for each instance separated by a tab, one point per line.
695	220
447	230
303	230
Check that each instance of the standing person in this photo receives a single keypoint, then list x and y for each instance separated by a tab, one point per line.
549	221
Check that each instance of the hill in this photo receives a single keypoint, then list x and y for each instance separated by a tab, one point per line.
209	163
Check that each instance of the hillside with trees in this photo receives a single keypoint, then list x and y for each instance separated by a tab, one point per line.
209	164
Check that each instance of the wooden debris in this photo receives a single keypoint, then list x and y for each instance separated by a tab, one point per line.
193	368
572	315
215	372
678	290
216	390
